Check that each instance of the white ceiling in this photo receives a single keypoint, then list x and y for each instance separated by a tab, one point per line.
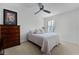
55	8
61	7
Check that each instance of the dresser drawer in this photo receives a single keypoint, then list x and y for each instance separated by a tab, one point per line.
10	35
10	40
11	44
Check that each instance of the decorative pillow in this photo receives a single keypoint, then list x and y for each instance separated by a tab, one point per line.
42	31
30	32
37	31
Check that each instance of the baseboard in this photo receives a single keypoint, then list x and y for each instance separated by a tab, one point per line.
62	41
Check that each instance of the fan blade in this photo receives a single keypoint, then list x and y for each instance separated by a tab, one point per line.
37	12
46	11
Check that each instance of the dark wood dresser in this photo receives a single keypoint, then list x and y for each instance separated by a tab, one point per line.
10	35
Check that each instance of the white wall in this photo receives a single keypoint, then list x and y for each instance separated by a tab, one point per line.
26	18
67	26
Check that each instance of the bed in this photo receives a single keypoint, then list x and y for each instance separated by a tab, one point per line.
46	41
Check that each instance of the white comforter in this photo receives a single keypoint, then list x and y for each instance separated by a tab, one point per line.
46	41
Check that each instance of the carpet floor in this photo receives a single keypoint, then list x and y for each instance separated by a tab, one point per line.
28	48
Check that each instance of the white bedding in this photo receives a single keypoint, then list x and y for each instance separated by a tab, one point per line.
46	41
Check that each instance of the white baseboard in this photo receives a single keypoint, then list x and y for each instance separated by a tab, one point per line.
62	41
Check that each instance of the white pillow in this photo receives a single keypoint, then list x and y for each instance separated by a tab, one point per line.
42	30
30	32
37	31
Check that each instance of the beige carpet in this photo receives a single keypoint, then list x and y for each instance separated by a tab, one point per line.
29	48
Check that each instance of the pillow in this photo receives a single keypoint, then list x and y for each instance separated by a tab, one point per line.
30	32
42	30
37	31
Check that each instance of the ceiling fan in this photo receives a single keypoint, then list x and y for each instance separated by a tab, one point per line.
41	6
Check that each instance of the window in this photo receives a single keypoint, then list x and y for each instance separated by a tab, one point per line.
51	26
